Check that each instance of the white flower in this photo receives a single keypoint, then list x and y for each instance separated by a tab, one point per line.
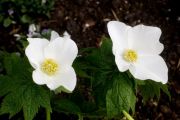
137	49
33	31
43	1
52	61
32	28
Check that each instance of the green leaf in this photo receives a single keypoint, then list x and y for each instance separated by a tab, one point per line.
101	82
26	19
88	107
11	104
102	57
7	22
19	90
16	66
164	88
99	63
29	97
10	62
120	96
80	65
5	84
33	98
106	46
65	105
111	89
151	89
1	18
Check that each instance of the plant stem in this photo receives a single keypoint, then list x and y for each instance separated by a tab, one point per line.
48	114
80	117
127	115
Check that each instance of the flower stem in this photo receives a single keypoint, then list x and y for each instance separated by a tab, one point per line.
48	114
127	115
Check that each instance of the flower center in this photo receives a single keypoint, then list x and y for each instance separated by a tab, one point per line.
49	66
130	55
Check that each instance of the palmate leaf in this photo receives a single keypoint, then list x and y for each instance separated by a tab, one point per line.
120	96
95	65
19	91
103	60
81	65
111	89
65	105
102	57
150	89
33	98
11	104
16	65
5	84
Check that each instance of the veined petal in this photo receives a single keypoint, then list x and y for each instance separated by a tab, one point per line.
150	67
66	78
145	40
120	62
63	50
40	78
118	32
54	35
35	50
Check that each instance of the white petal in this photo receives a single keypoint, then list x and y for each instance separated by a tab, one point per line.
35	50
32	28
120	62
150	67
66	78
63	50
118	32
40	78
54	35
145	40
66	35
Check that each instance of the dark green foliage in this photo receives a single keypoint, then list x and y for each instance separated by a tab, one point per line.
121	96
66	106
24	11
150	89
7	22
19	91
112	90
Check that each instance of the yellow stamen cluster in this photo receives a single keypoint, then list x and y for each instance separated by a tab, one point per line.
130	55
49	66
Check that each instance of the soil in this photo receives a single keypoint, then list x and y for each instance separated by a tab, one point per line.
86	20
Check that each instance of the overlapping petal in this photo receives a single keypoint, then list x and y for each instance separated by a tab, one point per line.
66	35
40	78
63	50
54	35
145	40
150	67
35	50
121	63
118	32
66	78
